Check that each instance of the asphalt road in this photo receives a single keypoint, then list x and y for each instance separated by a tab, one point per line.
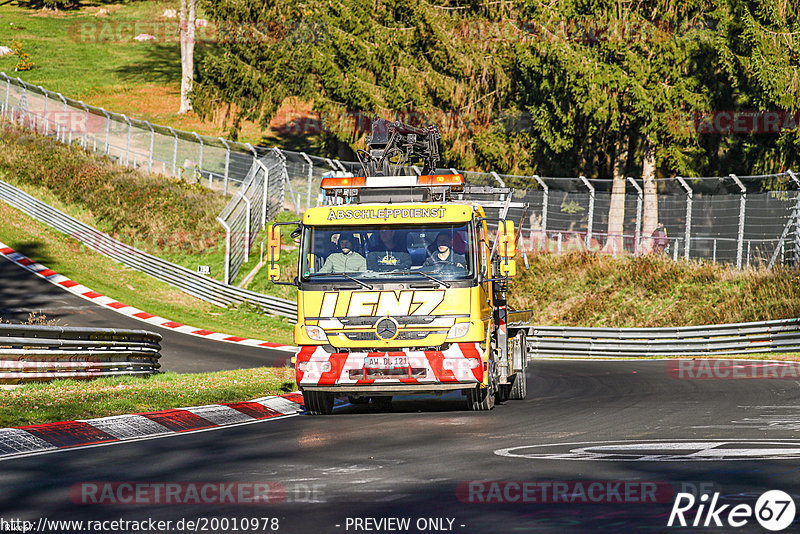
22	292
631	428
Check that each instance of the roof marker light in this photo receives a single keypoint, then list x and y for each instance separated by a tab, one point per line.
343	182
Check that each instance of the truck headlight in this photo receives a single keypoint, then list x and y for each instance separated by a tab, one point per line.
316	333
458	330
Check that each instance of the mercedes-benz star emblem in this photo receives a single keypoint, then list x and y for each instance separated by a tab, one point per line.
386	328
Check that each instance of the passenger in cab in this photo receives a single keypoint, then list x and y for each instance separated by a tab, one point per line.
443	254
388	252
347	260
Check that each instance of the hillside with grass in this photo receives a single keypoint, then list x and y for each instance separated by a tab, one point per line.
580	289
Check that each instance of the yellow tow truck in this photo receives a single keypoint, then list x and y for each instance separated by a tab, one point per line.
401	286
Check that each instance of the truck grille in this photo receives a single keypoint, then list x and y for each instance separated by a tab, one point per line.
412	335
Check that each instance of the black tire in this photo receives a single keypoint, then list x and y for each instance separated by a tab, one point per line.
481	399
318	402
358	400
519	387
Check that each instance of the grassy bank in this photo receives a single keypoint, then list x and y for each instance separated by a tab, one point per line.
92	56
66	400
70	258
596	290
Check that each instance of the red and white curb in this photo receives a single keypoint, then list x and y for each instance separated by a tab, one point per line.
84	292
51	437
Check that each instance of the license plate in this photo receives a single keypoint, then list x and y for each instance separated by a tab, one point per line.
385	362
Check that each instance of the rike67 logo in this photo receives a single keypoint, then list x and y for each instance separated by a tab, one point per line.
774	510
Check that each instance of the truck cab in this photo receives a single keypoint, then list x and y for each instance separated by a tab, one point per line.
399	293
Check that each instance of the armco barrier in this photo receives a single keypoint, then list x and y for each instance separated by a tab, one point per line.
37	353
708	340
195	284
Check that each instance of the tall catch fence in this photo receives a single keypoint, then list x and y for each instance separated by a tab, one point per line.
746	221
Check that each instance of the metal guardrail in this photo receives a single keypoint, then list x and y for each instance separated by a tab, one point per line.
37	353
762	337
194	284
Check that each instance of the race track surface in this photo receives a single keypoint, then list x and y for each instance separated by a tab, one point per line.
22	292
635	429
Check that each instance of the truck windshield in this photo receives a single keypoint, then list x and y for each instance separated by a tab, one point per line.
371	253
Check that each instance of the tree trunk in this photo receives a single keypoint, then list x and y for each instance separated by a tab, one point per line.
616	210
650	218
188	16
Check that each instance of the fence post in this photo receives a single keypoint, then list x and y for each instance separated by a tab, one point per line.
44	113
637	234
285	182
740	238
264	199
545	204
497	177
247	202
227	165
66	126
152	141
199	166
86	125
108	129
24	98
330	164
689	197
174	151
127	140
227	228
8	91
591	211
796	214
310	177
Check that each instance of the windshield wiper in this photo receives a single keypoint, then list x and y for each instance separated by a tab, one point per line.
356	280
426	275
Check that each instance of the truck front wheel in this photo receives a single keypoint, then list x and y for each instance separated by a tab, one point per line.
318	402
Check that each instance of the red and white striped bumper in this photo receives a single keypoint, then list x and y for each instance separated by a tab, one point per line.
461	363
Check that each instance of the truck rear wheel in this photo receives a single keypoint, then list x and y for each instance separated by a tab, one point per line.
318	402
519	388
481	399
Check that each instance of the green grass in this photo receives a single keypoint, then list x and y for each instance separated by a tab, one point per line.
66	400
82	55
95	58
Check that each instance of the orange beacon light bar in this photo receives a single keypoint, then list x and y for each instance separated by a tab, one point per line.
426	180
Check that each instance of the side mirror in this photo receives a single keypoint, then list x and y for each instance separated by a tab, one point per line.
506	240
273	251
507	249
